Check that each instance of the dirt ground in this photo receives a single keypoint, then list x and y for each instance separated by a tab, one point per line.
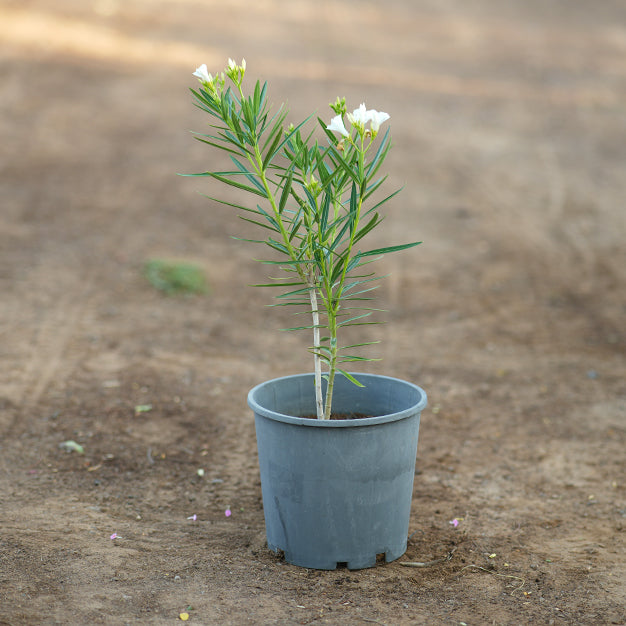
508	121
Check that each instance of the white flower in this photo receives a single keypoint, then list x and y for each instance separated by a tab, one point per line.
377	118
232	65
336	125
235	72
359	117
203	74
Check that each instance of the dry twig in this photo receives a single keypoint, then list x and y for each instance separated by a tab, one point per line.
445	559
483	569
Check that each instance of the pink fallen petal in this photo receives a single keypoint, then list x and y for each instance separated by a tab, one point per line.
193	517
228	513
454	522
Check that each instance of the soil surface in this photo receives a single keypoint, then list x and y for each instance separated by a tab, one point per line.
508	121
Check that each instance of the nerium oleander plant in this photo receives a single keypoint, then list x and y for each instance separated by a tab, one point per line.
313	200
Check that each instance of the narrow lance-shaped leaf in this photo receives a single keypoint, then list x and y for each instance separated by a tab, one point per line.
225	148
285	192
261	224
277	284
354	208
384	200
325	210
249	175
349	358
388	249
378	159
374	221
223	177
351	378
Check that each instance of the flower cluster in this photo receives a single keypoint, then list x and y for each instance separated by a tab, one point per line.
359	118
215	84
235	72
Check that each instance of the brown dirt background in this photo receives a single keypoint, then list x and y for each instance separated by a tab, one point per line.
509	121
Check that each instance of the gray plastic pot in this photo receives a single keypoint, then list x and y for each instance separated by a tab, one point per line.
337	491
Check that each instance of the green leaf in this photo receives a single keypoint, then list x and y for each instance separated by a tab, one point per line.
359	345
325	210
296	292
395	193
277	284
348	322
351	378
273	149
367	228
294	303
404	246
249	175
248	240
351	359
295	228
351	296
339	238
354	207
291	134
310	327
380	155
373	187
223	178
334	140
347	288
232	204
354	262
294	262
345	166
261	211
220	147
261	224
276	245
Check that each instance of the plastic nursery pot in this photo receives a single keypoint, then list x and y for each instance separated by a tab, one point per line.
337	491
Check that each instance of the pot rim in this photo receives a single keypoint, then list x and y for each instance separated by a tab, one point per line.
413	409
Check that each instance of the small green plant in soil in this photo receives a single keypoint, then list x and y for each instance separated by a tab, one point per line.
175	277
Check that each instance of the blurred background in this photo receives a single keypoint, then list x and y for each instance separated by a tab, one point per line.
508	121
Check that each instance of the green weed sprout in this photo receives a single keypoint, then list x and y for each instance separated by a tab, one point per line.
175	277
312	200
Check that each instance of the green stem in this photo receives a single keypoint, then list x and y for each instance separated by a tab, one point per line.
319	399
308	277
335	298
332	367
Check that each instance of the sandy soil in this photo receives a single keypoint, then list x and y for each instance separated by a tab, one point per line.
508	122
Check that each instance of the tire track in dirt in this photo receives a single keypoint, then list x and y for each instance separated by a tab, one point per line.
46	316
49	345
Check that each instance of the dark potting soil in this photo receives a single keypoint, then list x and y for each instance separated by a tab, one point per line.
340	416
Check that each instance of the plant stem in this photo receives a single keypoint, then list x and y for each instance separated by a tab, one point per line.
257	163
319	399
332	370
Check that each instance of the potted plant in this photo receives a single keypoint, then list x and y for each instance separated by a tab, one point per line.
336	449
